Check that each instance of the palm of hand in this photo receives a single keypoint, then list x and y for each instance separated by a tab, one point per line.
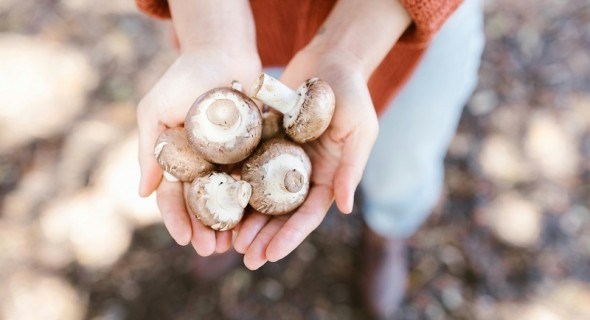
338	158
165	106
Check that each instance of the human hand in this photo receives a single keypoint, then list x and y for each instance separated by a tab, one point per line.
165	106
338	158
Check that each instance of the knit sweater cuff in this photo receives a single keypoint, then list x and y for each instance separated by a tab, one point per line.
428	17
154	8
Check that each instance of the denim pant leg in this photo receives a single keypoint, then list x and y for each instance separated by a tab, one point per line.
404	174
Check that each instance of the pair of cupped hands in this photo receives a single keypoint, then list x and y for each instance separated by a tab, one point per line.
338	157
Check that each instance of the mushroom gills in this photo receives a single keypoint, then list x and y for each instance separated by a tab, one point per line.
218	200
224	126
227	196
167	175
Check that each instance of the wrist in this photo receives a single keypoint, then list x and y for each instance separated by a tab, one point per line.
226	25
361	30
233	56
337	58
236	48
215	60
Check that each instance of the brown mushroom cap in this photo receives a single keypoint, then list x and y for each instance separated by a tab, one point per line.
316	108
177	158
224	125
272	125
218	200
279	172
307	111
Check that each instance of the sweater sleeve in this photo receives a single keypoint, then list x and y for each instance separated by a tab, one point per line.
154	8
278	41
428	16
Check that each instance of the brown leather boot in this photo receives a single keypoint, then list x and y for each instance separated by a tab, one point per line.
385	270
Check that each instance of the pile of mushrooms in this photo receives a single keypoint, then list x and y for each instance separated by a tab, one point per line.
226	127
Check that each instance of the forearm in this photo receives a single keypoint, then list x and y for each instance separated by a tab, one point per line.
366	30
224	24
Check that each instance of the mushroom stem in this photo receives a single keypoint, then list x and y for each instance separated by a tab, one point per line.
243	193
223	113
274	93
293	181
233	194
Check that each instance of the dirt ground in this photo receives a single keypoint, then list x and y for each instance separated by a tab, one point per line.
509	240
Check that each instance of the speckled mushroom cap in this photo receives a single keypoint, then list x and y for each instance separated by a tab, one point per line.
307	111
177	158
224	125
218	200
316	108
279	172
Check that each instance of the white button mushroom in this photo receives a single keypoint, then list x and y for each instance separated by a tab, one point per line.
224	125
307	111
177	158
279	172
218	200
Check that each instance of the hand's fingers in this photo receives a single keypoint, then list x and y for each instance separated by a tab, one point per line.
171	203
300	224
223	241
248	231
203	239
255	256
164	106
149	129
355	155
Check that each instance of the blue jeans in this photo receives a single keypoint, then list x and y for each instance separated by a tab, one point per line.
404	175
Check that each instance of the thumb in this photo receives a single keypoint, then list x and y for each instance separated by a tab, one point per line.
355	154
165	105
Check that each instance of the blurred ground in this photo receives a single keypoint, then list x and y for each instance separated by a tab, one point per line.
511	240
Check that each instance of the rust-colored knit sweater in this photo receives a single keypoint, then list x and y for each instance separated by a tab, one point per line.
285	27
